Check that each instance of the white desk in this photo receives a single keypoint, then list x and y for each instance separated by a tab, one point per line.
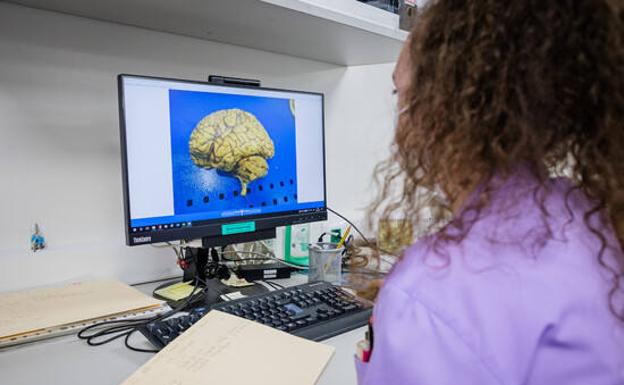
70	361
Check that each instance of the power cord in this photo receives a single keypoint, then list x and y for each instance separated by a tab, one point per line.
125	328
275	285
352	225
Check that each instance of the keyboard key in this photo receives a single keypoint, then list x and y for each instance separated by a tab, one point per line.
187	322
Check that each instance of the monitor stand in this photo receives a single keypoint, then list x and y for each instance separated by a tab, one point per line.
206	258
205	268
203	265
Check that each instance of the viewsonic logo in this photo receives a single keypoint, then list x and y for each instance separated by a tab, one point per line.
142	239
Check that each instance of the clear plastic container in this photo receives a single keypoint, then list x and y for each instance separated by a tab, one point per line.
325	262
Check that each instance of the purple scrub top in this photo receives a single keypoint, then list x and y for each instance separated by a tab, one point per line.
522	299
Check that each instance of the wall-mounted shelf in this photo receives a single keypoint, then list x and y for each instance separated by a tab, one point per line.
343	32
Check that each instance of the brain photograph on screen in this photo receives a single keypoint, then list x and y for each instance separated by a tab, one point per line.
232	152
233	141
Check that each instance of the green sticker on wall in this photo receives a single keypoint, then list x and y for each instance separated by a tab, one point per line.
237	228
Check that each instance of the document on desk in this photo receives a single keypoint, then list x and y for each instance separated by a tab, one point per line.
39	309
228	350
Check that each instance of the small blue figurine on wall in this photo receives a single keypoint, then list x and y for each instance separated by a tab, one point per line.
37	240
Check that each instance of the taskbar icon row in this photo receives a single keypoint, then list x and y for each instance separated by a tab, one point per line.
166	226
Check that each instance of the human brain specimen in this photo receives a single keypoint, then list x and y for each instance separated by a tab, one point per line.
233	141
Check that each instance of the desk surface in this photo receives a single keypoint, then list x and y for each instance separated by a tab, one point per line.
67	361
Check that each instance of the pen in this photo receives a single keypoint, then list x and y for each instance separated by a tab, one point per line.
342	241
344	237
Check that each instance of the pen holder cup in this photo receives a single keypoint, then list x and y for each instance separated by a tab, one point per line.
325	262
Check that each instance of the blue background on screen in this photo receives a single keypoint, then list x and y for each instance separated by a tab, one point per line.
215	193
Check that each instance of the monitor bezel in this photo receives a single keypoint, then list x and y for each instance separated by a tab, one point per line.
210	227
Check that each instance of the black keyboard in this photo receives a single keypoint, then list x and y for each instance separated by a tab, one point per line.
315	311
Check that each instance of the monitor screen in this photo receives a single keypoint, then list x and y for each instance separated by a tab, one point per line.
199	156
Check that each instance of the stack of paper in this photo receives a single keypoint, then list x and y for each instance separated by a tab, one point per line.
39	311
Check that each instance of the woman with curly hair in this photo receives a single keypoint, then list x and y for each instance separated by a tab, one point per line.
511	137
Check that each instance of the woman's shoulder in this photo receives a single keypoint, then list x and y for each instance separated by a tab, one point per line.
537	241
516	277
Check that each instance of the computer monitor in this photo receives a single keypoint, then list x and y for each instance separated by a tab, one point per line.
226	164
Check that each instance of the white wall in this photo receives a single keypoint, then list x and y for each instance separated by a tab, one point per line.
360	128
59	141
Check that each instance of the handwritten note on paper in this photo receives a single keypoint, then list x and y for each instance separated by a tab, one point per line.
227	350
38	309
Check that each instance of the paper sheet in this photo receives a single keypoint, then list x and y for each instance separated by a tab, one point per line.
37	309
176	291
227	350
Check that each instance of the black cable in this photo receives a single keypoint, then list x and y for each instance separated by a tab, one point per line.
156	281
352	225
159	317
127	325
133	348
126	328
276	285
121	331
246	259
82	334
